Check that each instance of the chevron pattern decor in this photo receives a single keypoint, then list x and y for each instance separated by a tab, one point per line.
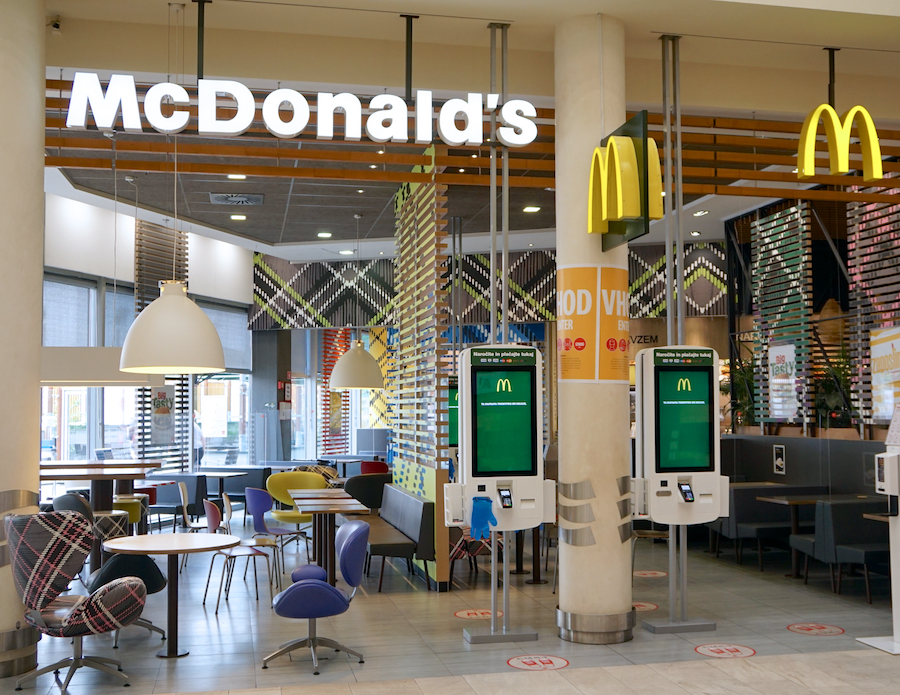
705	271
321	295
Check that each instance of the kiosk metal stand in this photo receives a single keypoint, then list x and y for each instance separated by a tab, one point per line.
678	575
494	633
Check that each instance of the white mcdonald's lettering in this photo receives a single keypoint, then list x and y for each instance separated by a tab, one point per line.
615	300
388	120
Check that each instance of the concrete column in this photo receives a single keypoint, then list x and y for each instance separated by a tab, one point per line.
21	272
594	441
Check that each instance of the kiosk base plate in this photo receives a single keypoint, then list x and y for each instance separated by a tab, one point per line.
483	635
885	644
664	627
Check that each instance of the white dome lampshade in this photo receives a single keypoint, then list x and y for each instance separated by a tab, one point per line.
172	336
356	369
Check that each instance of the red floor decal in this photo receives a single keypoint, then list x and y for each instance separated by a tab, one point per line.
725	651
643	606
817	629
477	614
538	663
650	573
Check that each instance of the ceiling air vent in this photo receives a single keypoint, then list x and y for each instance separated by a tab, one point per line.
236	198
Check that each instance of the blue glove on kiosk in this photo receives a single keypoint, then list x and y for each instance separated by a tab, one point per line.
482	517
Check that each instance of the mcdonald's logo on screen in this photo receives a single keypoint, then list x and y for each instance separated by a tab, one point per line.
615	191
837	132
504	385
684	384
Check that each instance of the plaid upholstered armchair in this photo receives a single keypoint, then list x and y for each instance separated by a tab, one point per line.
46	552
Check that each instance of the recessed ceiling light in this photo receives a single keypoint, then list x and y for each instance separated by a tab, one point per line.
360	191
239	217
346	252
462	171
795	171
380	151
663	194
531	208
237	177
701	213
695	233
531	244
474	156
324	235
381	253
373	166
549	188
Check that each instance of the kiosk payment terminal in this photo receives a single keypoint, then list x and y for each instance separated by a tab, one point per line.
677	436
500	440
500	474
453	426
887	482
677	478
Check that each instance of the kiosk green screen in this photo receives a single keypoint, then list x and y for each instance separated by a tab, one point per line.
453	416
504	421
685	417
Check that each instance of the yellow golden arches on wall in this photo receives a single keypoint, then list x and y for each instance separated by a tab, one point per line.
614	191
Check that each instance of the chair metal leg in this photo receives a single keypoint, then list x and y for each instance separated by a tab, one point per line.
208	576
740	551
286	648
868	588
759	551
831	572
806	569
381	574
41	671
338	647
718	538
222	581
427	576
147	625
556	569
74	662
840	575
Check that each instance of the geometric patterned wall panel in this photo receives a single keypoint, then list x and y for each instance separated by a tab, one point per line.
705	272
782	290
873	248
334	406
320	295
381	348
532	287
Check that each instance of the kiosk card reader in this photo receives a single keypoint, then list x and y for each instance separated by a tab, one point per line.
677	479
500	472
887	482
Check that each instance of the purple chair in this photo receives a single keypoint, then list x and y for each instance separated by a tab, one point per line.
258	503
310	599
46	552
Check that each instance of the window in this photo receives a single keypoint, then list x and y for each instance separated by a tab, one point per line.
119	310
231	324
221	402
69	310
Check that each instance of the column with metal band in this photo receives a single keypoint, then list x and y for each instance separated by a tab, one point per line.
594	440
22	36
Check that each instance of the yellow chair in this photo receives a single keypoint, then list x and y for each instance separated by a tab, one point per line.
278	485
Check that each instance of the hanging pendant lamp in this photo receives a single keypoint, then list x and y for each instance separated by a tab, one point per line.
356	368
172	336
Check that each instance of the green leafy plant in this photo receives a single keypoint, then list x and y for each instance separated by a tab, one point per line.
831	384
743	404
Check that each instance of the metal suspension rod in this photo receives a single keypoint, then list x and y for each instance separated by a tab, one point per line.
409	54
831	52
201	30
671	318
504	88
493	191
679	195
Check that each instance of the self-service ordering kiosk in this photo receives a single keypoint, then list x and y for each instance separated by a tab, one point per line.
678	480
500	472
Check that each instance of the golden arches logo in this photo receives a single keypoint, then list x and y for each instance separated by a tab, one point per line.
614	192
684	384
504	385
837	133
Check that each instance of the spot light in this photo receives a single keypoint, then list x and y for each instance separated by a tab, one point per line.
237	177
239	218
346	252
531	208
695	233
701	213
324	235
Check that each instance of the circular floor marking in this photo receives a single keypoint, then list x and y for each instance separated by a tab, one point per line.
650	573
818	629
644	606
538	663
725	651
477	614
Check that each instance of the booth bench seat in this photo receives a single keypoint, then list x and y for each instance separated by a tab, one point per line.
404	529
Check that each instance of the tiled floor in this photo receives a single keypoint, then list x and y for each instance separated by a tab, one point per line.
409	634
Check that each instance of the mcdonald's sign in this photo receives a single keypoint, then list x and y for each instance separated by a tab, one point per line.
684	384
504	385
615	191
837	133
